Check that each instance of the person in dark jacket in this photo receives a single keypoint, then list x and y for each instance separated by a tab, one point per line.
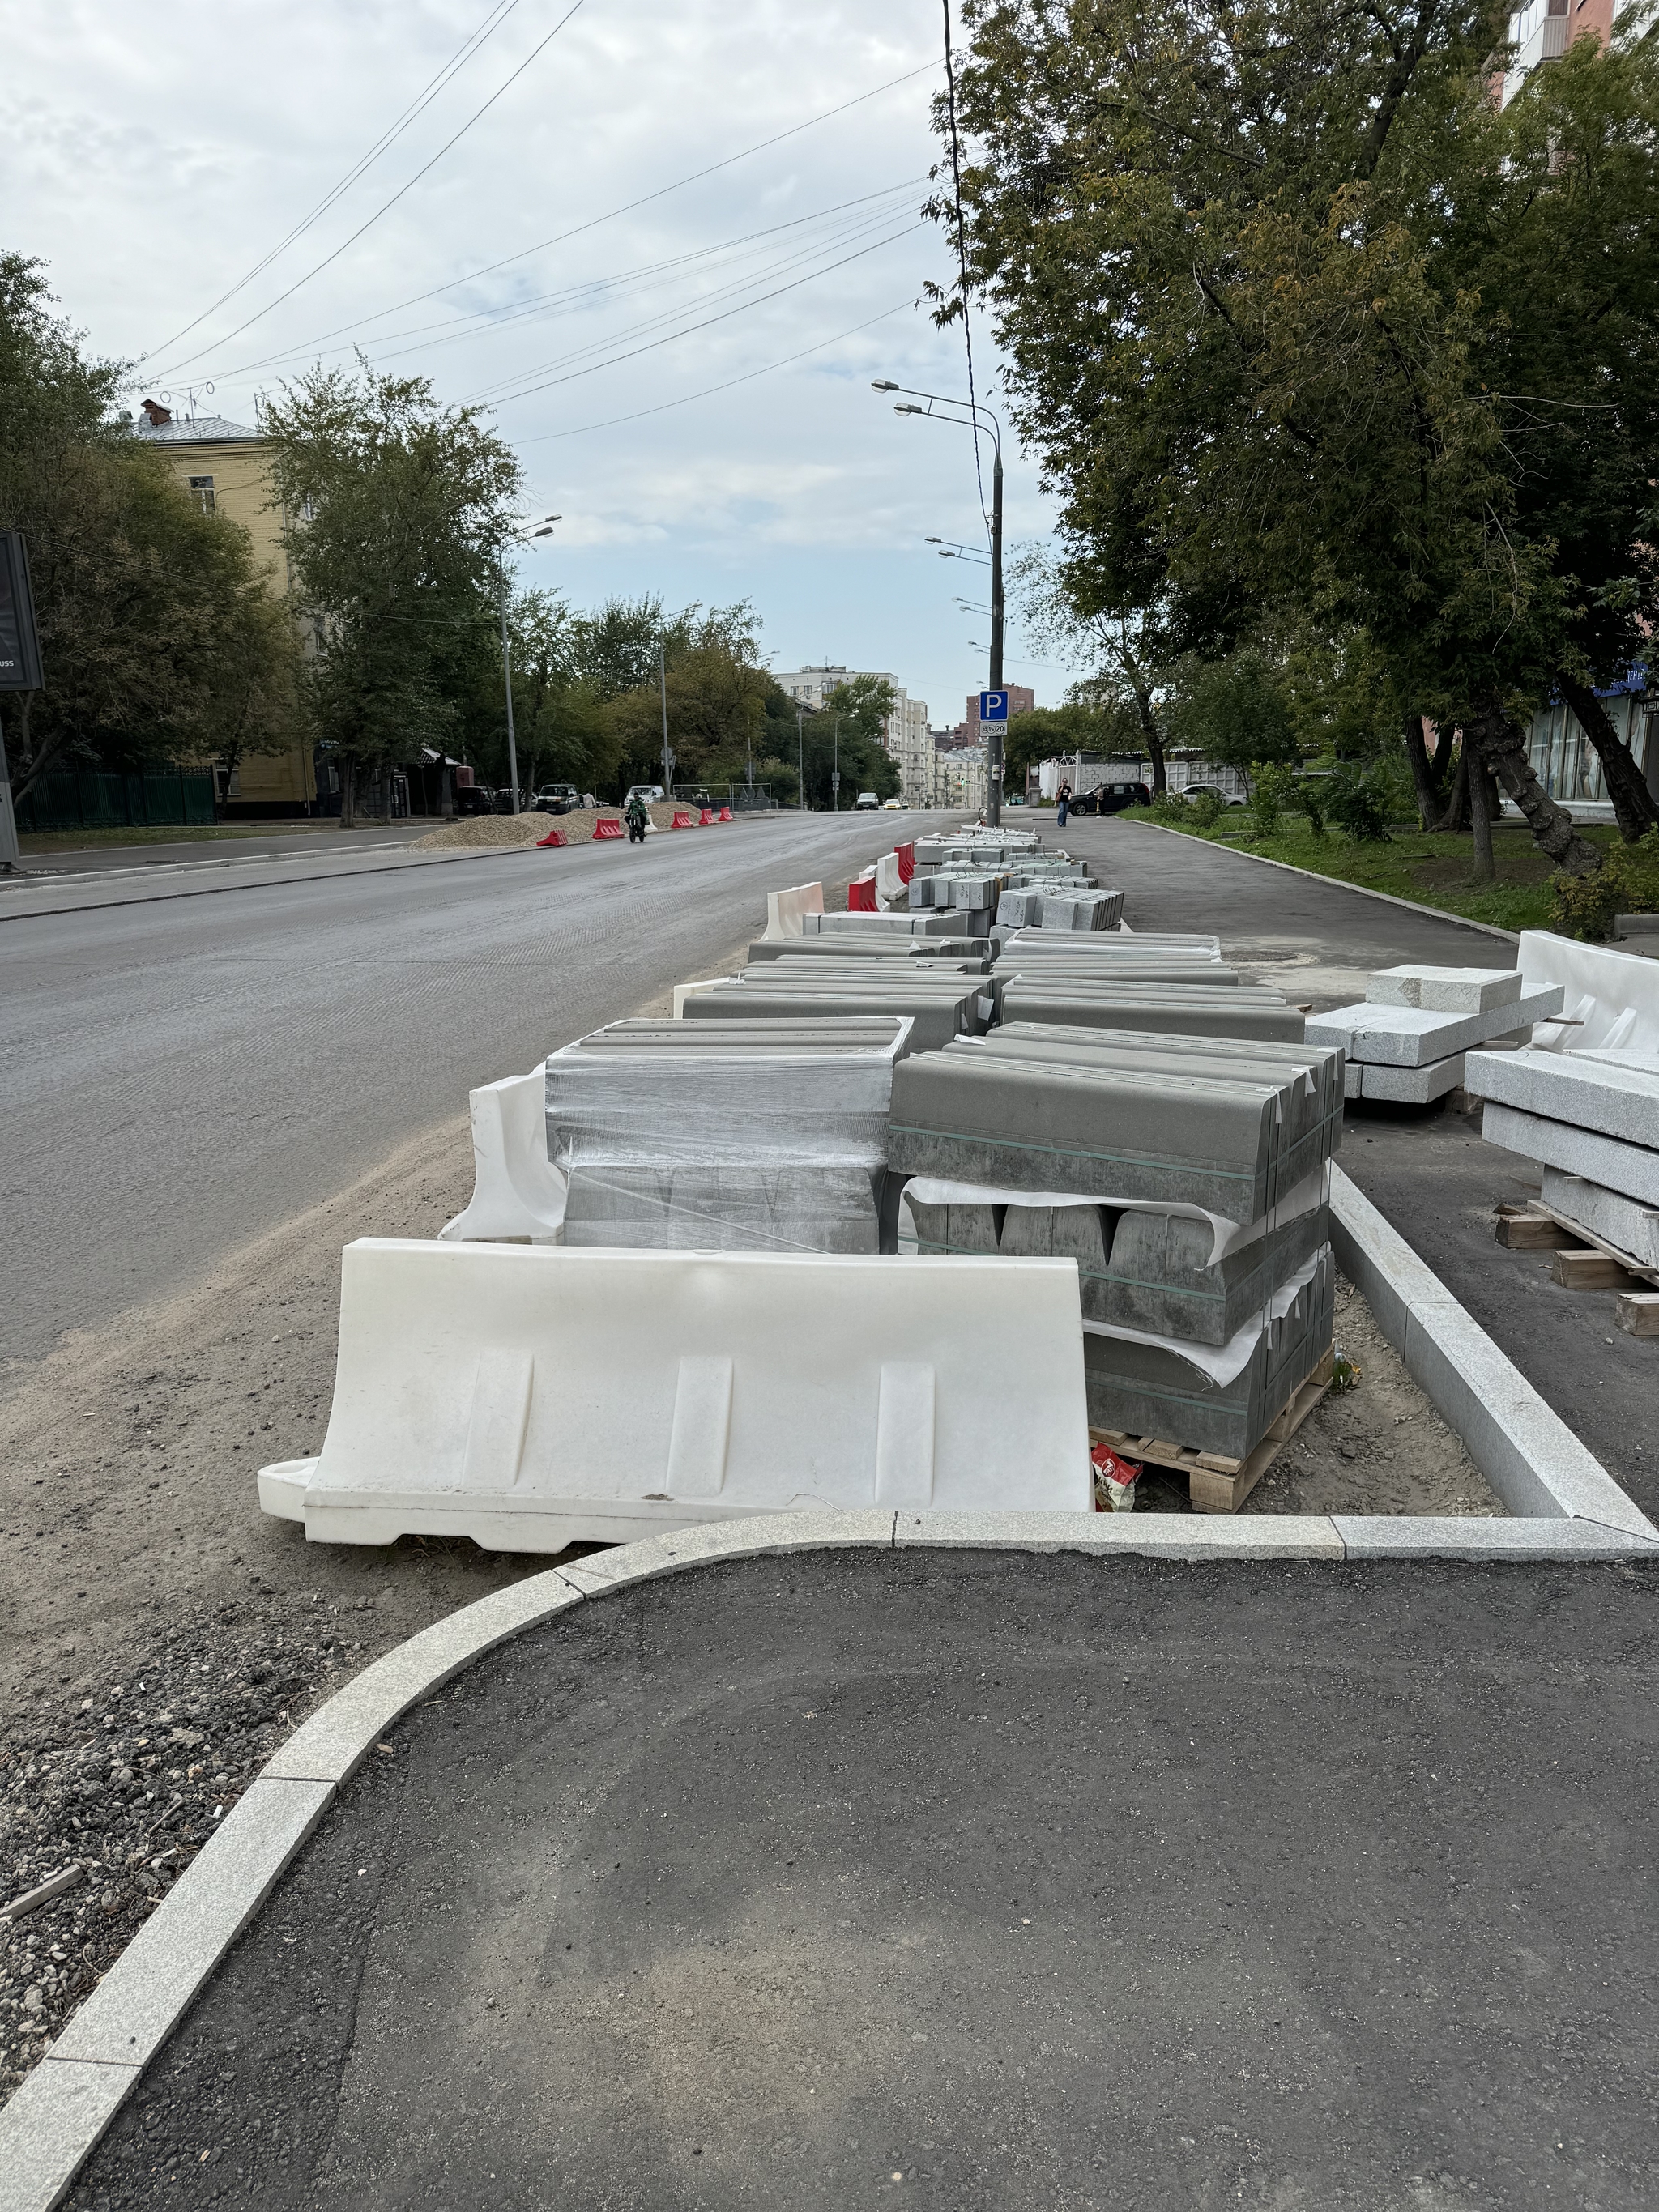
1064	795
638	816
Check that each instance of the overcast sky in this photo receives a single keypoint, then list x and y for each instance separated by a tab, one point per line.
154	158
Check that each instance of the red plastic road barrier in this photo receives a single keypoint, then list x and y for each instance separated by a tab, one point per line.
705	818
725	814
906	857
683	821
861	895
608	825
553	837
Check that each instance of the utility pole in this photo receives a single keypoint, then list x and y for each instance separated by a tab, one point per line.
801	762
995	756
507	678
835	773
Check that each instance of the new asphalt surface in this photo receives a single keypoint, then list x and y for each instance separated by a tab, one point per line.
178	1077
987	1883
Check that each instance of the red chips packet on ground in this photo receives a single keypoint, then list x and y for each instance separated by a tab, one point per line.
1114	1480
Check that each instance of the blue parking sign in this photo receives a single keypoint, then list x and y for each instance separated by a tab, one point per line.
994	706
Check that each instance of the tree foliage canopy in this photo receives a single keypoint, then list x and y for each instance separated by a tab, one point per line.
1299	320
160	639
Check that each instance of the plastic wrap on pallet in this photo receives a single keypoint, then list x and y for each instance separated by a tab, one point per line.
769	1205
736	1108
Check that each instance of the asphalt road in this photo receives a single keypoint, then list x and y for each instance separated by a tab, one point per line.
178	1077
982	1883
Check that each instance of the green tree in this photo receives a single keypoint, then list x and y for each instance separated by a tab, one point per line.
1297	319
160	639
396	509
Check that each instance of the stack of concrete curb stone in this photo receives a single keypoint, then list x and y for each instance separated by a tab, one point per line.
725	1137
944	999
1186	1175
1591	1121
1406	1041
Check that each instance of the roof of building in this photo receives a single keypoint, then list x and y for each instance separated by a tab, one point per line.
200	430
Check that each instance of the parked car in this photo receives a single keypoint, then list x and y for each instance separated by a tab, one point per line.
1214	791
557	798
474	798
1112	798
651	794
865	803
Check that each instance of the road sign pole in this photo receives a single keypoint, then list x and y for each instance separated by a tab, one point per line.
994	763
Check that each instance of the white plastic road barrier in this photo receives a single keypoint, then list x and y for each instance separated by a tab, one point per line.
516	1192
785	908
889	884
528	1397
1611	1001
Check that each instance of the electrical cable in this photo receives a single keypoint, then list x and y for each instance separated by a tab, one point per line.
300	282
560	237
748	376
549	382
498	386
476	323
458	61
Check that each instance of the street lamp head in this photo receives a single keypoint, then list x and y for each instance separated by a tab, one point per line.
886	385
905	407
933	541
546	531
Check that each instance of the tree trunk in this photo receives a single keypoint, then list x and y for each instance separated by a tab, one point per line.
348	794
1633	804
1457	800
1480	796
1429	812
1498	747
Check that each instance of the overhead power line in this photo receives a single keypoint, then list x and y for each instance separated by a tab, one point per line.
748	376
386	206
457	62
561	238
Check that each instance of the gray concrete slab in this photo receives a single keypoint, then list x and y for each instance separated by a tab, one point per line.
1443	990
1620	1221
1414	1036
1597	1095
1632	1169
1036	1881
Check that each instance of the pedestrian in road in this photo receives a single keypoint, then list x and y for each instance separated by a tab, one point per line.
1064	795
638	816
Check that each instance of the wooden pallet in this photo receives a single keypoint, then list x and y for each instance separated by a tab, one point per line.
1216	1484
1583	1260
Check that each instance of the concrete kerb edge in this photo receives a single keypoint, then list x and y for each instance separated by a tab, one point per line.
1538	1467
1361	890
55	2120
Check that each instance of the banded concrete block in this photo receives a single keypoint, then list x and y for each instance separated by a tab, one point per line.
1149	1389
936	1016
1019	909
1406	1087
806	1205
1113	1133
1175	1009
1080	910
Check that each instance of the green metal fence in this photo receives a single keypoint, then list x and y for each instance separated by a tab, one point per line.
86	799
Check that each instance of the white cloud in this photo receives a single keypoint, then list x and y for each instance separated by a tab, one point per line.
152	162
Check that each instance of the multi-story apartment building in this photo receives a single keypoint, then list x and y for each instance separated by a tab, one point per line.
904	734
1543	29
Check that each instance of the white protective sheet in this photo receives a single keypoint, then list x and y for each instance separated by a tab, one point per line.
1222	1364
1226	1236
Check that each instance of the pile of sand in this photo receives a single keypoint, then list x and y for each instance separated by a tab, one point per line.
513	830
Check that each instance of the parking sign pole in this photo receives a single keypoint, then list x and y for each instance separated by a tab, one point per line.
994	754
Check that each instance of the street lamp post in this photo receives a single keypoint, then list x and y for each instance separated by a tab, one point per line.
972	417
543	529
800	761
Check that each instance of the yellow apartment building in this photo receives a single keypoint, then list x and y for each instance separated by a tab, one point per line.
223	465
